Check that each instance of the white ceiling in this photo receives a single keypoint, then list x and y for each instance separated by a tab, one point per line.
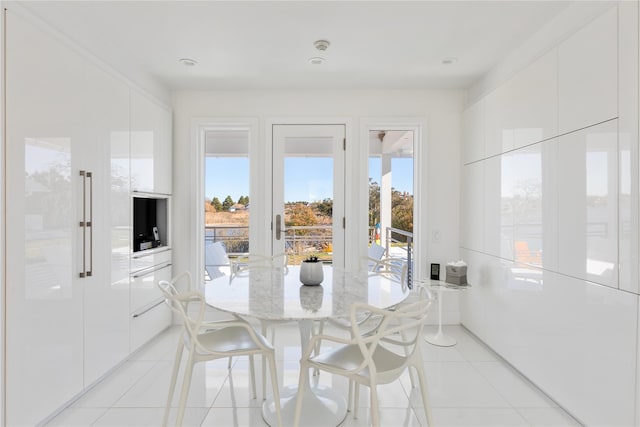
267	44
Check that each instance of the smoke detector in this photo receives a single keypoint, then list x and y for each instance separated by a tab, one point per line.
321	45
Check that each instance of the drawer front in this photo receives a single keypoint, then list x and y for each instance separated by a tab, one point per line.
147	325
144	287
143	260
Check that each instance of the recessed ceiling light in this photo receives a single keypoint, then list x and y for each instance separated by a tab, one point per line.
316	60
449	61
188	62
321	45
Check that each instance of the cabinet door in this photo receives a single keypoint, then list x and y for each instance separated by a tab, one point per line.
106	332
473	138
149	315
150	146
587	75
588	204
629	111
44	351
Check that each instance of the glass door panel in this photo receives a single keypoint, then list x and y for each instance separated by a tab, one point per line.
308	192
391	192
226	206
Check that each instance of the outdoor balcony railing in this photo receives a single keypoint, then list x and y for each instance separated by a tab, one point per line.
302	241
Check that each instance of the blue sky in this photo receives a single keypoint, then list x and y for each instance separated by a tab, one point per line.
307	178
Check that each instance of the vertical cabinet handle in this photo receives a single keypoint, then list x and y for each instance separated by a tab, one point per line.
83	223
90	224
278	227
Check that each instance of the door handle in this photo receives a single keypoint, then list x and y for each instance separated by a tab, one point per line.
278	227
87	224
90	224
83	223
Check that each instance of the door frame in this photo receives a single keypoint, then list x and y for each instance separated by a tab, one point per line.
196	196
420	186
336	132
348	176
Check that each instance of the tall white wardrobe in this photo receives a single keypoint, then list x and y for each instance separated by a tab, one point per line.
69	127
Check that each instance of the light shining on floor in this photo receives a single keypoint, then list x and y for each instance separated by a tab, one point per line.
468	386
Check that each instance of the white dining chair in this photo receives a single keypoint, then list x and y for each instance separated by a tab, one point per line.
244	265
372	357
207	340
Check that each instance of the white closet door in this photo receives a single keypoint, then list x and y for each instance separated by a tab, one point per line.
150	146
106	292
44	296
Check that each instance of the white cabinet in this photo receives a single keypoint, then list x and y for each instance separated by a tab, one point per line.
498	112
472	203
473	133
70	224
588	204
106	296
149	314
150	146
629	111
588	71
498	219
45	137
523	111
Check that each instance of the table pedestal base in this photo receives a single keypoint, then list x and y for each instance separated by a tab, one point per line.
440	339
321	406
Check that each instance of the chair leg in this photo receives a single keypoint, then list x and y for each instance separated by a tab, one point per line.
316	349
425	394
186	383
375	413
403	334
172	385
356	400
302	385
349	406
275	386
263	331
252	380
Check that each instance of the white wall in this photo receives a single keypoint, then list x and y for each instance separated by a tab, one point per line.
550	214
437	111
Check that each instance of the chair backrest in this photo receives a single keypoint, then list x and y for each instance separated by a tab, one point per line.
179	303
399	330
215	256
374	253
249	262
393	268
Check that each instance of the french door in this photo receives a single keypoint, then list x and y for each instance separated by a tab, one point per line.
308	185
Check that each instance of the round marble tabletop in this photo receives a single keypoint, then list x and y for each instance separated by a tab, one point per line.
278	294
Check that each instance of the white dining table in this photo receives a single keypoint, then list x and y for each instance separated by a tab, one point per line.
276	293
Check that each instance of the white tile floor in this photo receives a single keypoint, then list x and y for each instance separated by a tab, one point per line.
468	386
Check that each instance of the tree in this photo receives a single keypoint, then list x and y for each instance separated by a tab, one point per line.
228	202
325	207
402	216
243	200
374	203
301	214
216	204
